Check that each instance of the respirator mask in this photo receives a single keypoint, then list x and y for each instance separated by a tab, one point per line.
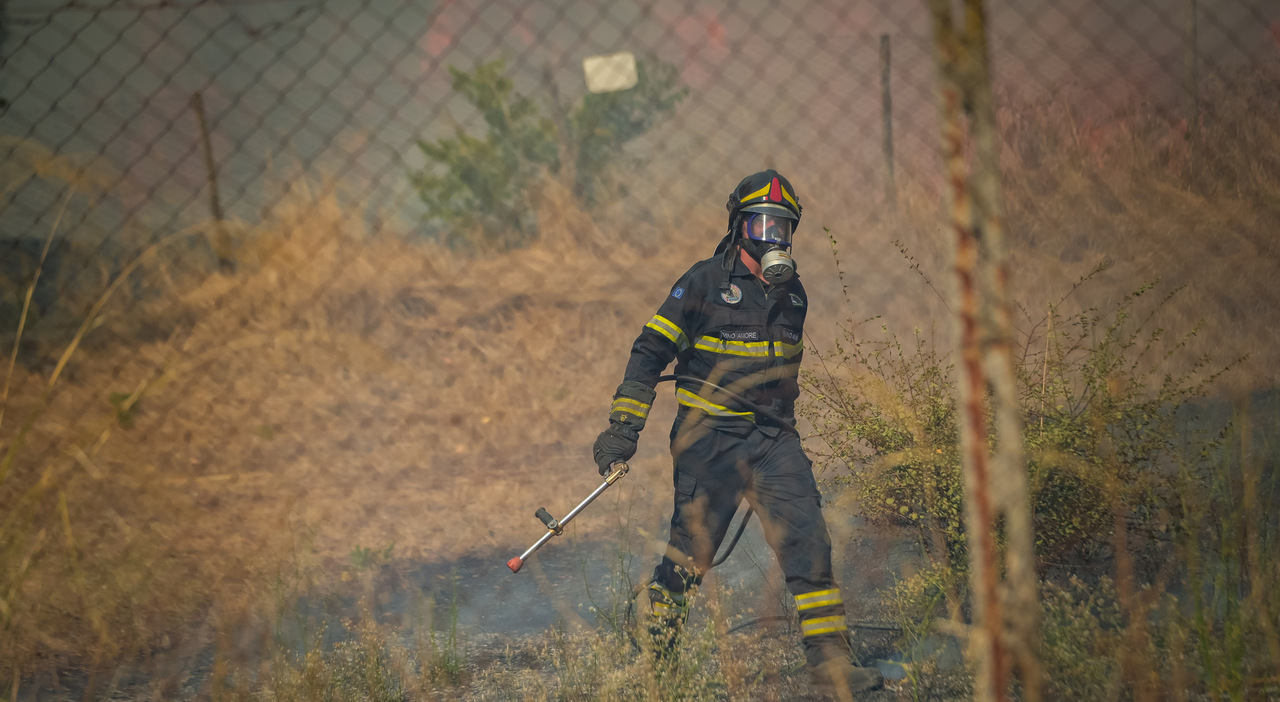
768	241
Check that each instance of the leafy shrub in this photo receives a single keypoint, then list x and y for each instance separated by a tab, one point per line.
1123	459
1082	634
605	122
930	661
1101	428
484	189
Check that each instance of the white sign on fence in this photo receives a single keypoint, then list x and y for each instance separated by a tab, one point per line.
611	72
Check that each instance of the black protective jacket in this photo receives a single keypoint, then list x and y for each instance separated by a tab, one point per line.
744	336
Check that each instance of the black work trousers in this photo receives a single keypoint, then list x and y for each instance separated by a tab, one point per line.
718	467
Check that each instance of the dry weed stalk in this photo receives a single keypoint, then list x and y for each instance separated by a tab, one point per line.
1007	612
26	305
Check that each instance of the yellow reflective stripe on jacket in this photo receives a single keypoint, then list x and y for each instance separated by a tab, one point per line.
820	598
689	399
786	350
823	625
669	329
630	406
733	348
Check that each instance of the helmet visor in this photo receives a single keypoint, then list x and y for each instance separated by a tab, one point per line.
768	228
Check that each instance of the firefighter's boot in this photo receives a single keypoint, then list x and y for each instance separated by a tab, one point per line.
832	671
667	613
827	649
836	675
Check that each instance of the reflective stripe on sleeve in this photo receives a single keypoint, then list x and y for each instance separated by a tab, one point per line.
823	625
689	399
630	406
669	329
786	350
820	598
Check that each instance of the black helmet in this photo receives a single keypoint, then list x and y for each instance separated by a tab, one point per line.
765	192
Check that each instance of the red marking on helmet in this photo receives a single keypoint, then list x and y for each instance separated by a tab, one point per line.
775	191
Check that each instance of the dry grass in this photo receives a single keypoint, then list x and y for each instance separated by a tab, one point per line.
227	442
359	391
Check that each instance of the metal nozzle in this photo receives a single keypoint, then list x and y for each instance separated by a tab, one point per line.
556	527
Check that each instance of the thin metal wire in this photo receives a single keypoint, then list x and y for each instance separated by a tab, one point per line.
346	89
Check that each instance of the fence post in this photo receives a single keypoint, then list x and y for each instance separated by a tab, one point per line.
886	112
221	239
1191	69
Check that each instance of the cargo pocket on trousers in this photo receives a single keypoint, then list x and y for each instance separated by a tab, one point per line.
685	485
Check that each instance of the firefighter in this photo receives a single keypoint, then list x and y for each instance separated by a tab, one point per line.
736	320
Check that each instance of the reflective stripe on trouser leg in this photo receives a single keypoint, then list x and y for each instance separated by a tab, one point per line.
665	604
818	598
818	626
667	613
823	627
821	612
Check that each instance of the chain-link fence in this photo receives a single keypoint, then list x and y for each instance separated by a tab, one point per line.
353	381
175	98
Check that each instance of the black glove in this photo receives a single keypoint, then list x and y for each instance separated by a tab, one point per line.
617	443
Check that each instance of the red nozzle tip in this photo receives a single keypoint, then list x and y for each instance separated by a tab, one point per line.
514	564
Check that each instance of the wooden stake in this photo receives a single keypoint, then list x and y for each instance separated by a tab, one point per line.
886	112
221	239
1191	67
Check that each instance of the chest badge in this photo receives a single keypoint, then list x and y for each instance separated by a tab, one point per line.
733	295
796	301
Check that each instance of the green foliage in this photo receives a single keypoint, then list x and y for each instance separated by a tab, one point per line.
1228	538
1112	437
930	659
485	189
446	659
1103	432
124	406
605	122
614	607
1100	421
1082	636
363	557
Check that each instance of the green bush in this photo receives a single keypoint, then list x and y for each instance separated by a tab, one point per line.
1101	428
1082	635
1112	438
484	189
605	122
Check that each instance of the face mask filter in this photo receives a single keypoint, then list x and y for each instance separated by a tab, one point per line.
777	265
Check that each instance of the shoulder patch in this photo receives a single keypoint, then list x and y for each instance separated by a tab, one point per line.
796	300
677	293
